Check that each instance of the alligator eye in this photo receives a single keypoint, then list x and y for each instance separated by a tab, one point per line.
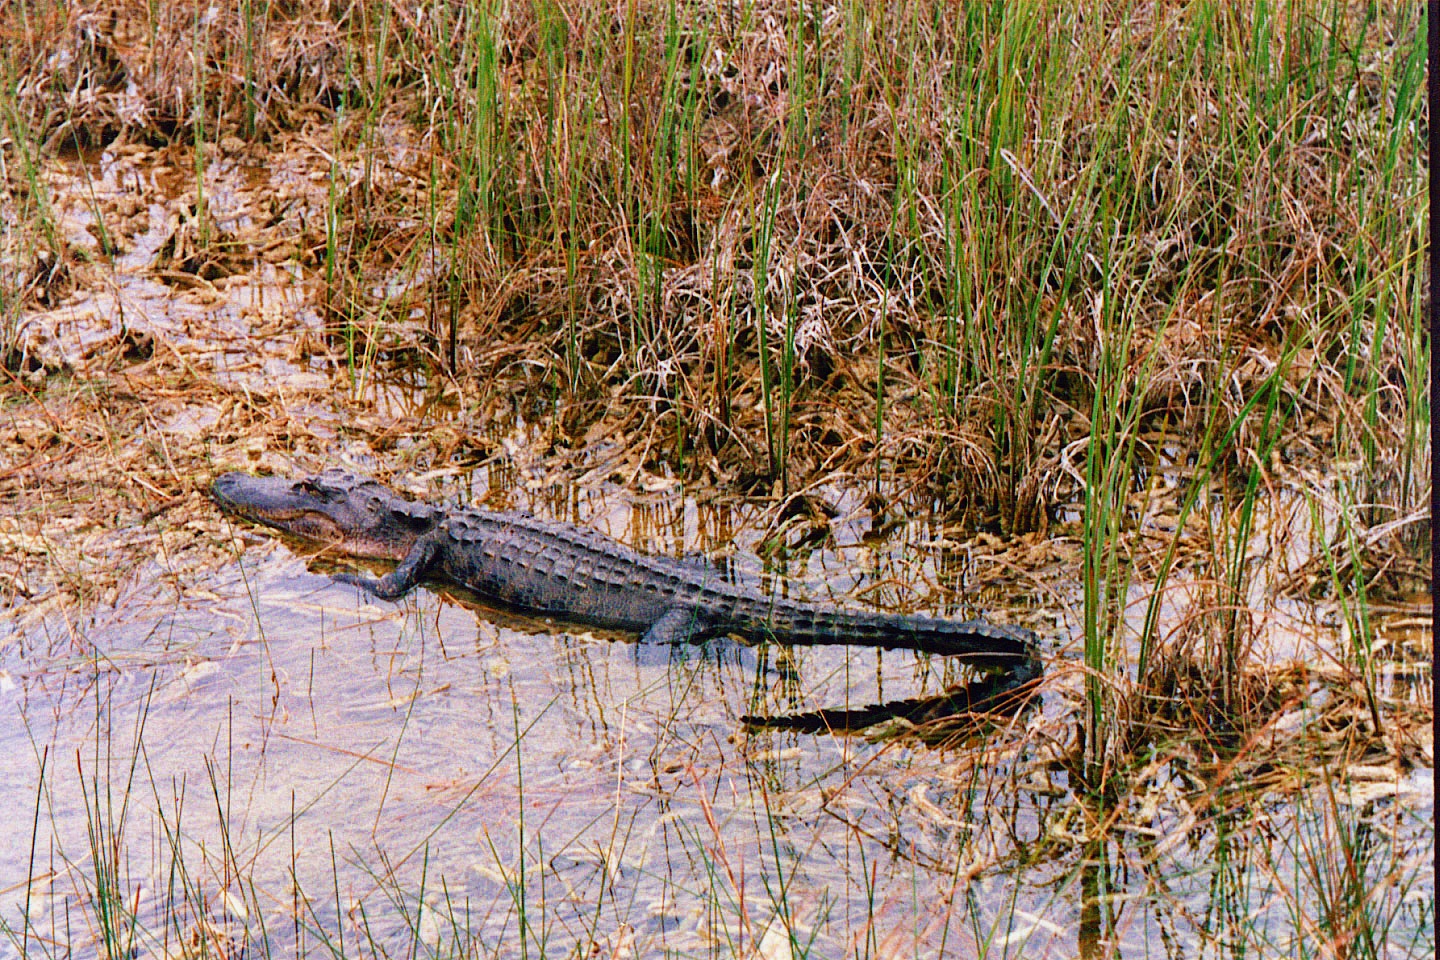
318	488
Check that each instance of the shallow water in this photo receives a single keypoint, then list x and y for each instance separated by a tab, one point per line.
426	746
308	764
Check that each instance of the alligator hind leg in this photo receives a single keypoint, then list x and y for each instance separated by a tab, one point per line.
678	625
403	578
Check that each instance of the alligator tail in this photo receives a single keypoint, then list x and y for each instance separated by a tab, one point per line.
978	642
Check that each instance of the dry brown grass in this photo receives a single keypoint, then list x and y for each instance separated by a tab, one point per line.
911	228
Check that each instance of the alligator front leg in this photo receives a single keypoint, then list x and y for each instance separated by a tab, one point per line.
403	578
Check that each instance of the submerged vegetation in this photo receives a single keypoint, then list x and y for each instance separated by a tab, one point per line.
1127	301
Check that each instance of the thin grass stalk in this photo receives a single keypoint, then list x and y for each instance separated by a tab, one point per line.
182	887
376	96
331	264
441	124
222	817
105	830
912	153
251	38
517	887
1354	613
450	275
579	156
199	56
1106	569
649	241
1227	906
760	281
317	926
1109	457
666	165
296	897
797	87
551	27
787	385
564	163
420	907
1393	234
476	210
853	62
25	921
340	911
25	145
689	148
103	235
779	892
881	323
1336	896
624	182
957	291
724	299
1272	423
1417	455
1106	475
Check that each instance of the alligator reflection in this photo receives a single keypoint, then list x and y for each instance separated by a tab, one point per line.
958	712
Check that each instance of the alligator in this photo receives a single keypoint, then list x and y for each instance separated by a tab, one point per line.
570	573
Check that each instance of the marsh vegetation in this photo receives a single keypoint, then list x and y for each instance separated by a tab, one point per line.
1108	322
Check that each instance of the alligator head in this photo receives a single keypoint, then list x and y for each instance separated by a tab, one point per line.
355	514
